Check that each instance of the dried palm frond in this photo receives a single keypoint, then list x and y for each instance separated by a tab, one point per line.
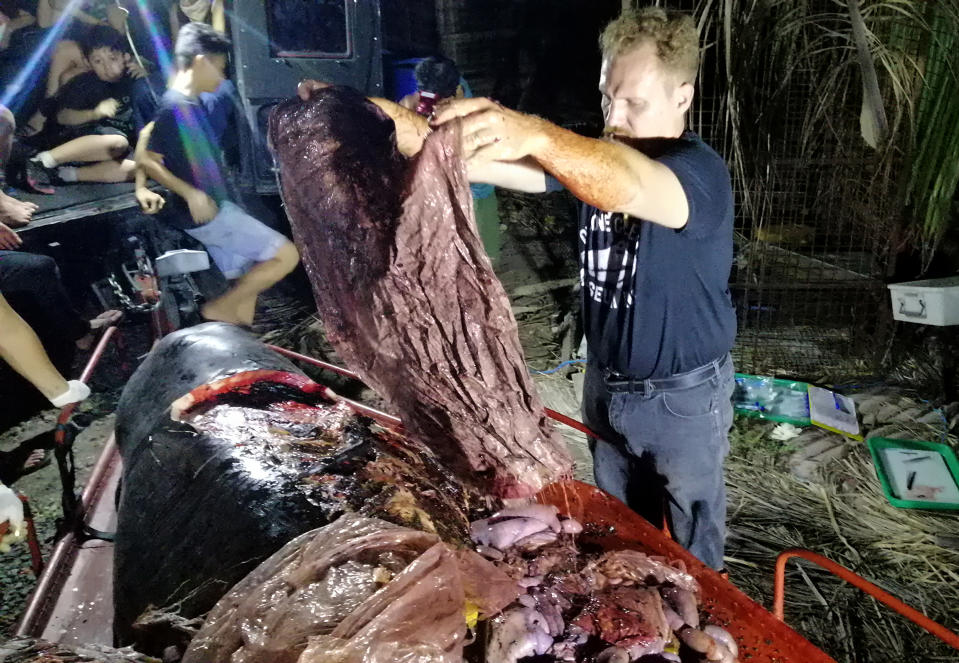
843	70
849	520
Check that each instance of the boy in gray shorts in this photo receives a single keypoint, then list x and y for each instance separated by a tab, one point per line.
180	149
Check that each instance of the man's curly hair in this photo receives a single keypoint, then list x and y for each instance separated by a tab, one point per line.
674	34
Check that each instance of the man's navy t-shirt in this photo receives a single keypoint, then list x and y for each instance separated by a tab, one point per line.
188	132
656	300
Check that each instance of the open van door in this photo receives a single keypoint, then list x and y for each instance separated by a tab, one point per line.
277	43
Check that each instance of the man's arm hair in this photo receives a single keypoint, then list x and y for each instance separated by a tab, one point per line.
613	177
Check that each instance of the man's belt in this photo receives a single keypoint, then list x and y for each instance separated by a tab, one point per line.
619	383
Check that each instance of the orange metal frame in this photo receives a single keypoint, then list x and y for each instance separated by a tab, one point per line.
912	614
67	410
36	557
552	414
779	592
624	523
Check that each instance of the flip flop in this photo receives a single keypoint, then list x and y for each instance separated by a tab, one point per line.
32	178
15	469
45	460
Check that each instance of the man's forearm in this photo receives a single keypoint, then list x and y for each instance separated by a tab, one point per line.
71	117
158	172
140	178
612	176
601	173
524	175
411	127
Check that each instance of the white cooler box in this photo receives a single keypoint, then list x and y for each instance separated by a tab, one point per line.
929	302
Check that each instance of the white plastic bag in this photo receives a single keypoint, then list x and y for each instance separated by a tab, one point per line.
11	511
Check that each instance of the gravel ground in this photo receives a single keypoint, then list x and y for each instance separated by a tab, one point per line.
43	489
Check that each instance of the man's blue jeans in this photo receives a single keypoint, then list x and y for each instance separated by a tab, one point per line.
665	449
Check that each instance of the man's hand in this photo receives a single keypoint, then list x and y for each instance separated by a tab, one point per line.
11	515
307	87
202	207
107	108
492	132
134	70
9	240
150	201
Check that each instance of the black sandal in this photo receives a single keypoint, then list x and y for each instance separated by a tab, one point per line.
13	464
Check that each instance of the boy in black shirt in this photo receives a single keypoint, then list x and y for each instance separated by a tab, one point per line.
181	150
94	118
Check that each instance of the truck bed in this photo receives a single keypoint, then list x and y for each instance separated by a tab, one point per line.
77	201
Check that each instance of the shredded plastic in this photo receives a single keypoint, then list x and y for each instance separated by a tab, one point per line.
359	589
406	292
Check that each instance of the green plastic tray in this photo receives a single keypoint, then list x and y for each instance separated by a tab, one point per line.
768	416
877	444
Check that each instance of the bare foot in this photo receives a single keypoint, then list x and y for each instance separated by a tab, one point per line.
223	310
15	213
246	311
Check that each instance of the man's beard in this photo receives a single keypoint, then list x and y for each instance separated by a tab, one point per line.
613	133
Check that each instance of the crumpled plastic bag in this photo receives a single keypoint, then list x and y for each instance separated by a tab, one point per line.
418	617
11	512
785	432
359	589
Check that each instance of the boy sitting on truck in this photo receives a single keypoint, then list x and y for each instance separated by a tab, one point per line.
94	118
181	150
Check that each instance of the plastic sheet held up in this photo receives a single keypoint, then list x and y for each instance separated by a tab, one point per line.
408	296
